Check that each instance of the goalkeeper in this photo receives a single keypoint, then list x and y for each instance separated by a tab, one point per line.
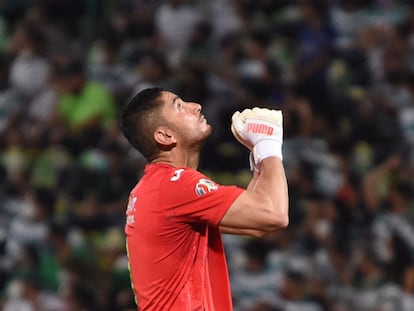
175	215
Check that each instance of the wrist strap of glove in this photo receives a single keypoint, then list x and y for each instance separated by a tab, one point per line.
264	149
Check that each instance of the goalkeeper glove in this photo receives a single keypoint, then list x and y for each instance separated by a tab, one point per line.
261	131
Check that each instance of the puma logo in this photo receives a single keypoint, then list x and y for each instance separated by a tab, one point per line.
258	128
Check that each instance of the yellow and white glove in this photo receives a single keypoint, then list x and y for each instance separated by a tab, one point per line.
261	131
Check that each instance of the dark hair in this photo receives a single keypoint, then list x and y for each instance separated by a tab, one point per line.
137	121
69	68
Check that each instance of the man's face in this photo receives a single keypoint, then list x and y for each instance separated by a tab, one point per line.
185	118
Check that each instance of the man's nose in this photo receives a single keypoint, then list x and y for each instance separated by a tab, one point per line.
195	107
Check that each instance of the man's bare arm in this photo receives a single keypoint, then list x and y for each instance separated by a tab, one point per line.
264	204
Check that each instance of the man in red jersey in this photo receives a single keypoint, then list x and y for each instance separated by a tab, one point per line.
175	215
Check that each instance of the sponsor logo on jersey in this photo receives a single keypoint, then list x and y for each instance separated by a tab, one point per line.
177	174
258	128
130	219
205	186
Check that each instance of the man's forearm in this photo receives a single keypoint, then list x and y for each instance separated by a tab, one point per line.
271	183
253	181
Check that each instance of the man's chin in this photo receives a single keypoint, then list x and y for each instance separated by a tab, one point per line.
210	129
206	135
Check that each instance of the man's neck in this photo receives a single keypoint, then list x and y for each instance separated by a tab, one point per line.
178	159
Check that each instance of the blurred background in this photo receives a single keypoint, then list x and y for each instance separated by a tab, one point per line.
341	71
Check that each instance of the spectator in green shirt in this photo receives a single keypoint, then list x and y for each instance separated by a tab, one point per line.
83	104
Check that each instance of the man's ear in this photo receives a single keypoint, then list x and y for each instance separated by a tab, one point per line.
164	136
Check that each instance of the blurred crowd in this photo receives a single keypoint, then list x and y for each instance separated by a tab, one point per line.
341	71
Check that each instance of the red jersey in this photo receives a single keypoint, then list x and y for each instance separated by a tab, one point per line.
176	255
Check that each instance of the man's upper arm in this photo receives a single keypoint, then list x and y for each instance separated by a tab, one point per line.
264	204
248	211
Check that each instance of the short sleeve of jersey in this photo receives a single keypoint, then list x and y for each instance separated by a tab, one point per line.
190	196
